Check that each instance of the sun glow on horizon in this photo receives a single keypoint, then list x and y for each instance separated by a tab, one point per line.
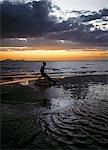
77	54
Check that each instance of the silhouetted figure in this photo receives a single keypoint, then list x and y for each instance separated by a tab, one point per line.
43	74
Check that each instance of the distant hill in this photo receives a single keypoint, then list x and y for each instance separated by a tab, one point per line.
10	60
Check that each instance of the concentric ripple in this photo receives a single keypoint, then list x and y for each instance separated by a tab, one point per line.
78	122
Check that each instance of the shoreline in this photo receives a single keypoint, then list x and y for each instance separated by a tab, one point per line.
102	77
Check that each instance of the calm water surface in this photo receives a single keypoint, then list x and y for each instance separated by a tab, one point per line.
66	68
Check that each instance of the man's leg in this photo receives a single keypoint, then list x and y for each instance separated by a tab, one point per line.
50	79
40	77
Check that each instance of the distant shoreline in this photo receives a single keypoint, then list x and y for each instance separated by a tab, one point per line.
13	60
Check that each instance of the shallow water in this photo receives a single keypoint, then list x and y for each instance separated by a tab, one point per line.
75	117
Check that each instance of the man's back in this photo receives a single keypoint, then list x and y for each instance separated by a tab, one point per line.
42	70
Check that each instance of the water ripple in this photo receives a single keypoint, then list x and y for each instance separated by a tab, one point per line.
79	123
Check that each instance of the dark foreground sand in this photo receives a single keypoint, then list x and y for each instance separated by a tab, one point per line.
72	115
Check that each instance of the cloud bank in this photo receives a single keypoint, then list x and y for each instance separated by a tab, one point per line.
41	19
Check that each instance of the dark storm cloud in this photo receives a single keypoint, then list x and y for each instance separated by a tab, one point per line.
79	28
91	17
95	38
33	19
104	12
95	15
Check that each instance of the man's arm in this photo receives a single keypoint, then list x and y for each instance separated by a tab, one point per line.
52	68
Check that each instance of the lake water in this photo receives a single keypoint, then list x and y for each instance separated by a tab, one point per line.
65	68
75	115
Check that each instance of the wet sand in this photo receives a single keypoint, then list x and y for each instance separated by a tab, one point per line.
72	115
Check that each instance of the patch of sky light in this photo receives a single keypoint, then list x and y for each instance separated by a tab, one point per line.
101	24
62	15
92	5
66	14
22	39
18	39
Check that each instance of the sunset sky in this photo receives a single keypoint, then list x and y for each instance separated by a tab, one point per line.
54	30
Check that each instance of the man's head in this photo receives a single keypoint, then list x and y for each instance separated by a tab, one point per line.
44	63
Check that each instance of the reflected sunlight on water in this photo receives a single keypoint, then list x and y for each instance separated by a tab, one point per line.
77	120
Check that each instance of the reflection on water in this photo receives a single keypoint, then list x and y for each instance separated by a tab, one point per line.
60	103
25	83
77	116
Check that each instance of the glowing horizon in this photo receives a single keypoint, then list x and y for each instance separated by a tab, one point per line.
32	54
